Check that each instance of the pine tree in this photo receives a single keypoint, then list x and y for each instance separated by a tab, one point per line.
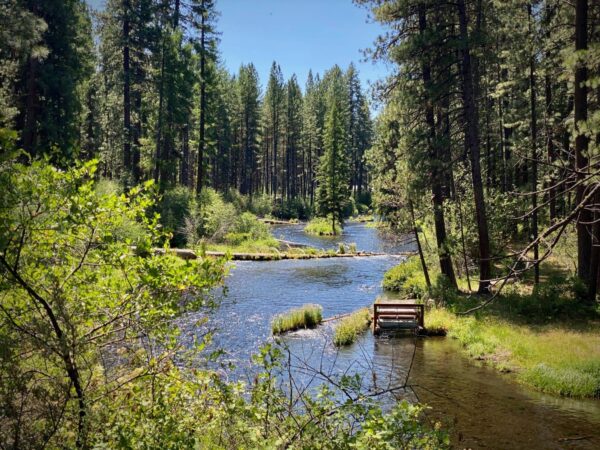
50	112
249	116
333	174
293	137
273	112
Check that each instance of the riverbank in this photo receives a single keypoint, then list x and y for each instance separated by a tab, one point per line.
553	358
271	254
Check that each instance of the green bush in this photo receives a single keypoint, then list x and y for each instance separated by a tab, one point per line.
173	209
261	205
396	277
444	292
248	223
296	208
307	316
350	208
350	327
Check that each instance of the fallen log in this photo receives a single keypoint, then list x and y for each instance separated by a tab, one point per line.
187	254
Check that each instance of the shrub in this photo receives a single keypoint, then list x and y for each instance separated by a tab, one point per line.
297	208
443	291
217	216
350	208
261	205
174	208
350	327
247	223
307	316
395	278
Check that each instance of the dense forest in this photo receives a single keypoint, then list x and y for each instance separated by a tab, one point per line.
140	87
122	135
491	132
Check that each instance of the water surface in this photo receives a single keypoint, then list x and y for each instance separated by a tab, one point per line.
481	407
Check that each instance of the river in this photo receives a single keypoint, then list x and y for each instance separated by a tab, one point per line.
481	407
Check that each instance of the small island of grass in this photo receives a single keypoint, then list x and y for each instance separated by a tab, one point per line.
350	327
307	316
322	226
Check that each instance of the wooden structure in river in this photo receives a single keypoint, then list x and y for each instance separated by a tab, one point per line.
395	315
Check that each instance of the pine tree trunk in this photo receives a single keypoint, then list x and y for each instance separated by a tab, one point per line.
126	89
201	131
158	164
419	247
584	240
436	182
534	156
472	139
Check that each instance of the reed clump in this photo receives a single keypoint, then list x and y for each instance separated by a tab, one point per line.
307	316
350	327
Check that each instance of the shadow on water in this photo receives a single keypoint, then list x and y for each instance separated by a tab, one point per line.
481	407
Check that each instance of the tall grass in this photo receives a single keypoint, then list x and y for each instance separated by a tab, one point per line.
551	359
407	278
322	227
350	327
307	316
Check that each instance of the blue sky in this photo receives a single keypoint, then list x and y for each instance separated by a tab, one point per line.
298	34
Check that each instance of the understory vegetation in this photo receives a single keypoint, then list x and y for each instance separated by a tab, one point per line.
321	226
307	316
552	357
77	372
349	328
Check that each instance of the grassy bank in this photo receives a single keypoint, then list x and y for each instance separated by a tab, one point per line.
307	316
545	334
552	358
350	327
321	227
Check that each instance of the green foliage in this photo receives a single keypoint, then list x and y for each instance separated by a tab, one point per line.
552	359
350	327
70	276
400	429
333	193
321	227
404	276
296	208
173	208
307	316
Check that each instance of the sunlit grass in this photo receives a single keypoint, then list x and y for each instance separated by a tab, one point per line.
307	316
552	359
350	327
248	246
321	226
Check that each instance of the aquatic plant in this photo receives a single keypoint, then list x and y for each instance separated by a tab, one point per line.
307	316
321	226
350	327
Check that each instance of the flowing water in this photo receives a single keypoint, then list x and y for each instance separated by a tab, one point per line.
481	407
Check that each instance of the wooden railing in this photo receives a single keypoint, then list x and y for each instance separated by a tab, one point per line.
411	314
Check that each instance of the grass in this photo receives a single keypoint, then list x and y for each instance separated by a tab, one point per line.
246	246
552	358
321	226
307	316
406	278
350	327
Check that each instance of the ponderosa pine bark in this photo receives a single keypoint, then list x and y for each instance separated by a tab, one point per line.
584	239
436	175
472	140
